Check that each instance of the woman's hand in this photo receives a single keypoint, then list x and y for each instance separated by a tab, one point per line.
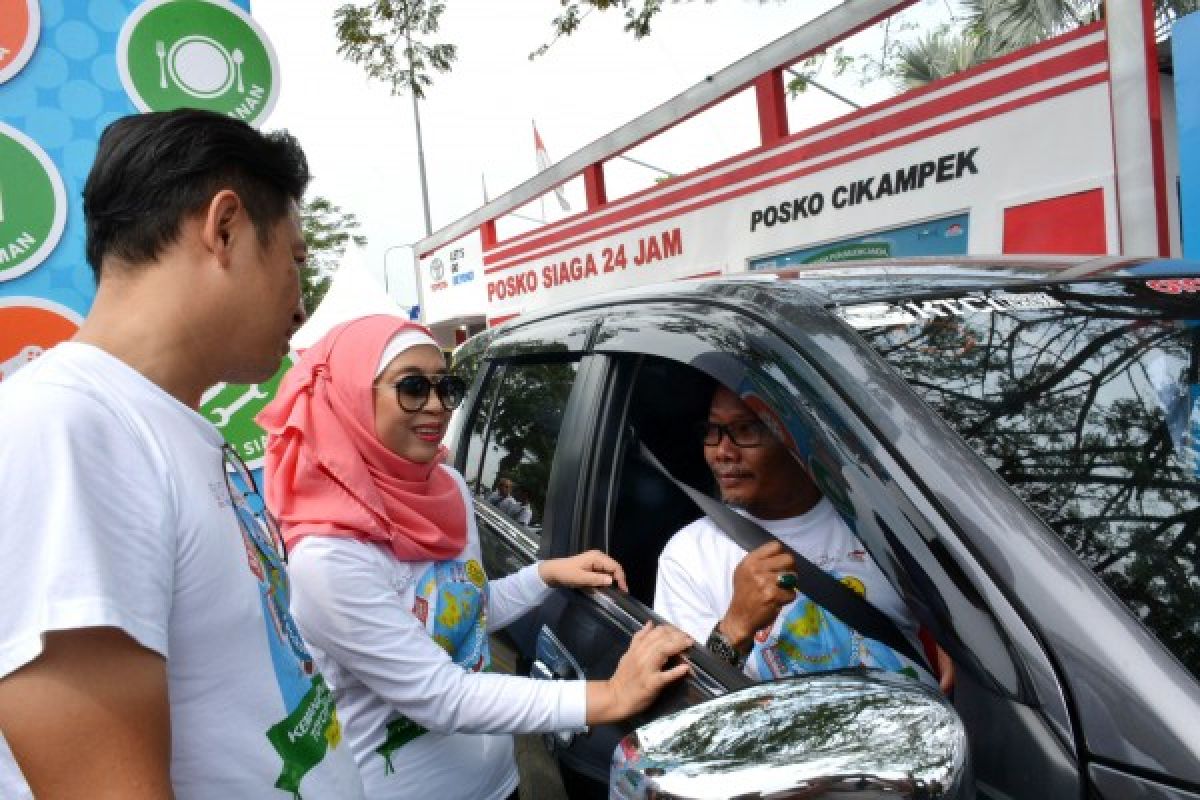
640	675
589	569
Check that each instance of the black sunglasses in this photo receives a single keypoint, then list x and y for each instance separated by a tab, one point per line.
743	434
412	391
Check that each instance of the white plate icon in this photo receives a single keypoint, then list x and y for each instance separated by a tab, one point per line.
201	66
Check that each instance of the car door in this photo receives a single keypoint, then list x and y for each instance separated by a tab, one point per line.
642	359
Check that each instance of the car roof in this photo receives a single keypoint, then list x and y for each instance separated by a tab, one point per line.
848	283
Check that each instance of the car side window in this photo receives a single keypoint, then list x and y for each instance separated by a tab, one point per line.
477	432
646	509
514	442
1097	434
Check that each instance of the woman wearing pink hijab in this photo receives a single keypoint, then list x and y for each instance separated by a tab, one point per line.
387	586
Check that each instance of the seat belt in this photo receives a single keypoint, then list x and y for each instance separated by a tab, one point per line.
815	583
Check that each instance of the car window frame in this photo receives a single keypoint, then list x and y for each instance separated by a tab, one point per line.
1042	690
489	384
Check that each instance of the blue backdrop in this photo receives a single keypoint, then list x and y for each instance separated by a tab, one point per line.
63	99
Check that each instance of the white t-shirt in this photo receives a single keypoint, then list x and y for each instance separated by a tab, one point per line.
509	505
117	513
694	589
404	645
523	514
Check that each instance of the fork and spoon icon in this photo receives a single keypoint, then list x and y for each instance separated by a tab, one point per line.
160	49
237	57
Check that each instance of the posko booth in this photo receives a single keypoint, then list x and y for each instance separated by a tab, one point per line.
1066	147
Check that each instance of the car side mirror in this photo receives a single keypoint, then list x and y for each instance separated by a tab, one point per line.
859	733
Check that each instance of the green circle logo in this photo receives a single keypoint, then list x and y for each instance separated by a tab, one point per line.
232	408
33	204
205	54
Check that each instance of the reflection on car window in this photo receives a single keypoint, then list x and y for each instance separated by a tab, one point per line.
477	433
468	357
1086	399
521	434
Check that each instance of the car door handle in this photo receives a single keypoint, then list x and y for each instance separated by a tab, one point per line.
555	662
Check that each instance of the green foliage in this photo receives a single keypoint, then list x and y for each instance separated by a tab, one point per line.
867	66
837	59
939	54
638	16
327	232
992	28
382	36
986	29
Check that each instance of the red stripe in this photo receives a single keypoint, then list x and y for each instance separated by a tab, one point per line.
699	275
874	129
1047	94
846	34
494	321
1099	52
966	75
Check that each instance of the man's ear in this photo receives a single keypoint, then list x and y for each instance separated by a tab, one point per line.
221	222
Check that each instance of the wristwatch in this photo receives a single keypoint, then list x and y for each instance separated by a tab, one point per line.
718	644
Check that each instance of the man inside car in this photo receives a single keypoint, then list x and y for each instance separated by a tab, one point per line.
747	606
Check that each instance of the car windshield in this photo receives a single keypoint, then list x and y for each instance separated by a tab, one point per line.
1085	398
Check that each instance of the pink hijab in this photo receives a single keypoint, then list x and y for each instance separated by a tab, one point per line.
327	474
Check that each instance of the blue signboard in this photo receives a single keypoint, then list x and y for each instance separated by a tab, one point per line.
1185	38
940	237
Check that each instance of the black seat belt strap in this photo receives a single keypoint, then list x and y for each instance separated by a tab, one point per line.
815	583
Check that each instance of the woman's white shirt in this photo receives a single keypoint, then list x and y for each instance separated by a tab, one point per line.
370	621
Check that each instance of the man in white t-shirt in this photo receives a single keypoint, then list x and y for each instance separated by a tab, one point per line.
146	648
502	492
745	605
519	508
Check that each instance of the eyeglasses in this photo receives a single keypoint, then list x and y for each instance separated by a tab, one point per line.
251	509
412	391
748	433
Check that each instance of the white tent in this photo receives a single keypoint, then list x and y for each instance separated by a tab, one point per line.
354	292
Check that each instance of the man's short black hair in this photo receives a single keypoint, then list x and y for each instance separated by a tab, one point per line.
153	170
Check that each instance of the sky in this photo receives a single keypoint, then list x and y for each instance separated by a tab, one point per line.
477	120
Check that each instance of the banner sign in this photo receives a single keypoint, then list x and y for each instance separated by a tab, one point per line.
60	87
28	327
197	54
68	68
33	204
232	408
20	24
937	170
939	237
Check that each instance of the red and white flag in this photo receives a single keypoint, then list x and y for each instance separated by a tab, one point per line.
543	163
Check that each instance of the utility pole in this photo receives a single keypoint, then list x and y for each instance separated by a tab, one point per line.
417	122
